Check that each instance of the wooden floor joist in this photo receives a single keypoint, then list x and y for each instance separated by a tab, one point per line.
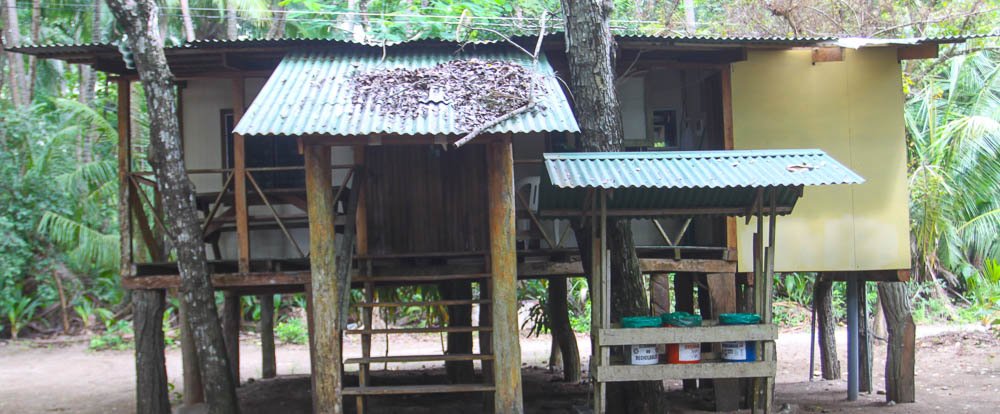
438	329
420	358
418	389
525	270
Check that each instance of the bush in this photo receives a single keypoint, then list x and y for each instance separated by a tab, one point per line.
292	331
117	337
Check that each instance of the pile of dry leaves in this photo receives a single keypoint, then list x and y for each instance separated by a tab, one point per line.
479	91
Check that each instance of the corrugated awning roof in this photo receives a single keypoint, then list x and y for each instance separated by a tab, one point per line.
718	182
310	93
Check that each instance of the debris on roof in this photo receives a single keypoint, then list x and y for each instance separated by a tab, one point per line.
479	90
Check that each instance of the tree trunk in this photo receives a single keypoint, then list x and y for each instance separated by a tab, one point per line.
823	301
459	372
194	391
151	393
232	317
232	22
138	18
277	29
17	83
689	17
592	78
901	353
36	28
562	331
186	20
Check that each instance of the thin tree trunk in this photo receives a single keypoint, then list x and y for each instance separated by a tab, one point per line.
96	36
150	364
277	29
36	28
138	18
864	340
232	24
15	61
186	20
562	331
194	391
823	301
689	17
592	79
900	357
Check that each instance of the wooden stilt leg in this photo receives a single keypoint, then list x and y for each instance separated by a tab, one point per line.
266	328
231	316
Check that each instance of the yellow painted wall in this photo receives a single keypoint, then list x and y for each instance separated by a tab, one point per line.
853	110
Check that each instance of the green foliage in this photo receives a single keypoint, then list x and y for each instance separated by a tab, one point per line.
292	331
117	337
578	304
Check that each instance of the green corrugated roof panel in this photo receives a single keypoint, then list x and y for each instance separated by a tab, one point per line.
685	180
310	93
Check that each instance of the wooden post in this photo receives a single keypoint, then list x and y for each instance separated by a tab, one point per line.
660	296
823	304
900	357
864	339
361	234
150	363
232	314
240	181
684	294
194	392
325	289
503	258
266	327
124	169
722	289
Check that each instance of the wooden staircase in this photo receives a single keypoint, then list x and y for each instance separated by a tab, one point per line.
366	387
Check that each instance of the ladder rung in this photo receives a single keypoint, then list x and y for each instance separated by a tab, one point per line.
439	329
419	278
418	389
425	303
420	358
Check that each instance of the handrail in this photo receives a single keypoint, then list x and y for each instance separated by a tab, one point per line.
250	169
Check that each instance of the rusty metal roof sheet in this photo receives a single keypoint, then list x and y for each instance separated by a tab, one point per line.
310	93
720	182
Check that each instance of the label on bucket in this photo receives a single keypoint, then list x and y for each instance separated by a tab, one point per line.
644	355
734	351
689	352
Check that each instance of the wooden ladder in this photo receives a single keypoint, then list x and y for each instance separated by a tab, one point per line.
365	387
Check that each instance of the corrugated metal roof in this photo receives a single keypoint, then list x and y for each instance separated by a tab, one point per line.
697	169
721	182
310	94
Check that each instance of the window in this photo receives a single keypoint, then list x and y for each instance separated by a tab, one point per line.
265	151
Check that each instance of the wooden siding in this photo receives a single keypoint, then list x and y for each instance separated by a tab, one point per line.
426	199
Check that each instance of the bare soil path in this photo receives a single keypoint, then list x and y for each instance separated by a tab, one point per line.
958	370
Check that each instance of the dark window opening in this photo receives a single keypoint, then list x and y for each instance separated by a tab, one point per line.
266	152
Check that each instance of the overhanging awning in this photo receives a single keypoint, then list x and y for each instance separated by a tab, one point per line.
310	93
686	182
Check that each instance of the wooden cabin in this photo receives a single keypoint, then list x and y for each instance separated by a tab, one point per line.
287	168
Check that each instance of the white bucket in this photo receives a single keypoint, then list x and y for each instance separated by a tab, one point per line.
644	355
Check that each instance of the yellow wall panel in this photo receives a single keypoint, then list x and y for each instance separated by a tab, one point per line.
853	111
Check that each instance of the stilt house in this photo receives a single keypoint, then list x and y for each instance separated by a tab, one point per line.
304	188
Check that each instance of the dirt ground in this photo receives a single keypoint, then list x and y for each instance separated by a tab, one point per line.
957	371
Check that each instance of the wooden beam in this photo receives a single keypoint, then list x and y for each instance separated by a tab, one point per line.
618	373
728	143
924	51
324	286
827	54
124	169
503	261
361	238
240	181
715	333
900	275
